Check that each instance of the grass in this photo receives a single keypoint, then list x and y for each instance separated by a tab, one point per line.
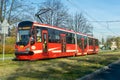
69	68
7	55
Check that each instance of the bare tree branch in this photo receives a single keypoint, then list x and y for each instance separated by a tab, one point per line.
58	14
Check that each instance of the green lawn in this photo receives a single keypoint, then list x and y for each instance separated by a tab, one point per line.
69	68
7	55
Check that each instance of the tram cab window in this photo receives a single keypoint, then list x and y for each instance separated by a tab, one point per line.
38	35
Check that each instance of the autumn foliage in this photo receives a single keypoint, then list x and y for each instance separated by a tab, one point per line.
9	46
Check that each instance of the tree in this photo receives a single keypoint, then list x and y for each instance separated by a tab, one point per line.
103	41
12	10
79	23
15	11
117	40
56	15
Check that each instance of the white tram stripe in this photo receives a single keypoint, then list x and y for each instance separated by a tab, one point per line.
90	49
93	50
79	53
70	50
56	51
52	49
37	51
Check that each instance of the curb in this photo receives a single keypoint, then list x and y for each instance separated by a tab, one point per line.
90	76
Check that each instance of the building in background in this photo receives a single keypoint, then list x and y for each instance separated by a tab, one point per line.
113	45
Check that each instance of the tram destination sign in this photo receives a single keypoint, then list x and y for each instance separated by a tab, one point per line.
22	28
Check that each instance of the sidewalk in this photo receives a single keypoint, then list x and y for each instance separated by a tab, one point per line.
110	72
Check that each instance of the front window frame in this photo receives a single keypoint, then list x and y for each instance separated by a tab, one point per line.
23	38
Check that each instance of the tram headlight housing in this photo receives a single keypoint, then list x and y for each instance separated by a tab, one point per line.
27	49
33	47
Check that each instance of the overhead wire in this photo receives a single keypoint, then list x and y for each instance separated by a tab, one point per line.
107	25
94	20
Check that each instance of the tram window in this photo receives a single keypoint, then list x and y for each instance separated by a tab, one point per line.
70	38
45	37
57	36
85	41
51	35
73	38
54	35
79	42
39	35
96	42
90	41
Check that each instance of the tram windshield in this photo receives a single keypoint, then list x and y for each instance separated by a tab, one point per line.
23	37
24	32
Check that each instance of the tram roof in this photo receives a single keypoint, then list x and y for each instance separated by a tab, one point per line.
30	23
53	27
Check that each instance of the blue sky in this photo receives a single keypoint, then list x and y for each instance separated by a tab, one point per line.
97	10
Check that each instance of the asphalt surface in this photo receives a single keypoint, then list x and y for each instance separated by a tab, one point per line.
110	72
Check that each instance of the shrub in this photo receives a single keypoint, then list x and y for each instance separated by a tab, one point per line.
9	49
9	45
0	49
10	40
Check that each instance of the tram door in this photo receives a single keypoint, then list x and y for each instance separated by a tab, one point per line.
63	42
94	48
45	40
82	45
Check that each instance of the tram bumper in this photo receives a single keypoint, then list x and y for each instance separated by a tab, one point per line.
24	53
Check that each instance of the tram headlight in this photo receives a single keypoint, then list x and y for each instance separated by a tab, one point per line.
27	49
33	47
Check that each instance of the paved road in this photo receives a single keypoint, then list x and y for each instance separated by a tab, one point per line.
110	72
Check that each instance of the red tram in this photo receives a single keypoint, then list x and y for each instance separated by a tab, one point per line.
41	41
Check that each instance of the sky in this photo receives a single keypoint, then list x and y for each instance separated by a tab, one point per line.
97	10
